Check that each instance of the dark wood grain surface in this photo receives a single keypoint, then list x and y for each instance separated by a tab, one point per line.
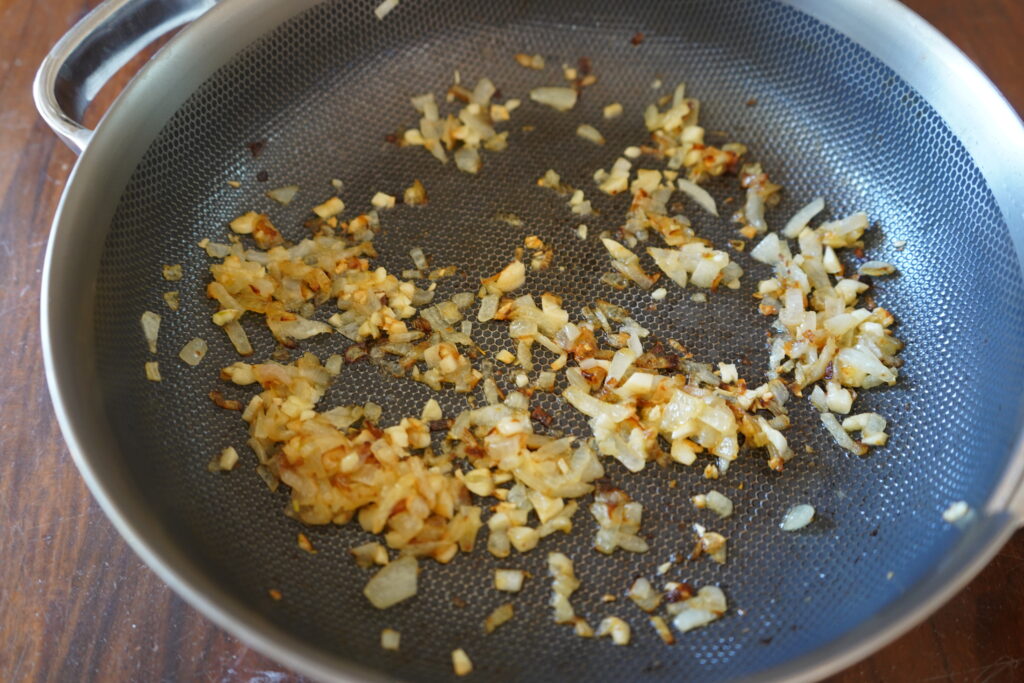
75	601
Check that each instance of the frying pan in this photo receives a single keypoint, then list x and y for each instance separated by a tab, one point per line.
860	102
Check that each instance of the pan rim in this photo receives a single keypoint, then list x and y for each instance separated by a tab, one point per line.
200	43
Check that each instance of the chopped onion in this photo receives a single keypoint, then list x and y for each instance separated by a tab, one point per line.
173	300
511	277
239	339
509	580
840	435
564	583
561	99
644	595
488	307
612	111
393	583
719	504
194	351
802	217
754	210
707	606
372	411
870	425
819	400
284	195
797	517
662	630
384	8
500	615
151	329
415	194
588	132
535	62
418	258
698	194
616	628
153	371
627	263
172	273
390	639
769	250
467	159
226	460
369	554
431	411
461	663
692	618
332	207
334	363
876	268
956	512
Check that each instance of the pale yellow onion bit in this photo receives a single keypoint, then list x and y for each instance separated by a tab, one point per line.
616	628
563	584
628	264
644	595
761	192
509	278
338	471
369	554
390	639
393	583
535	62
463	134
588	132
706	606
709	543
679	139
461	662
697	264
558	98
827	339
151	329
619	520
500	615
509	580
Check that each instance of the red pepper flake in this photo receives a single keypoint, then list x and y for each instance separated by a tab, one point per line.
274	594
585	66
256	146
262	176
752	102
637	38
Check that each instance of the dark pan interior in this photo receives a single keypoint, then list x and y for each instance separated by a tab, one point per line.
326	88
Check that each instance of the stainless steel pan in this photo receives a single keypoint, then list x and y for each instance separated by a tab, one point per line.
858	101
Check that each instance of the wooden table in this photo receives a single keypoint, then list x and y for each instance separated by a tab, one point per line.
78	604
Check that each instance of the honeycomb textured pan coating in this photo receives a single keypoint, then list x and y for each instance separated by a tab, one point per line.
826	119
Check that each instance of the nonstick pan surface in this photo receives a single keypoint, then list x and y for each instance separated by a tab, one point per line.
325	89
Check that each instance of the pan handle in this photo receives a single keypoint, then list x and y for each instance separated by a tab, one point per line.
94	50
